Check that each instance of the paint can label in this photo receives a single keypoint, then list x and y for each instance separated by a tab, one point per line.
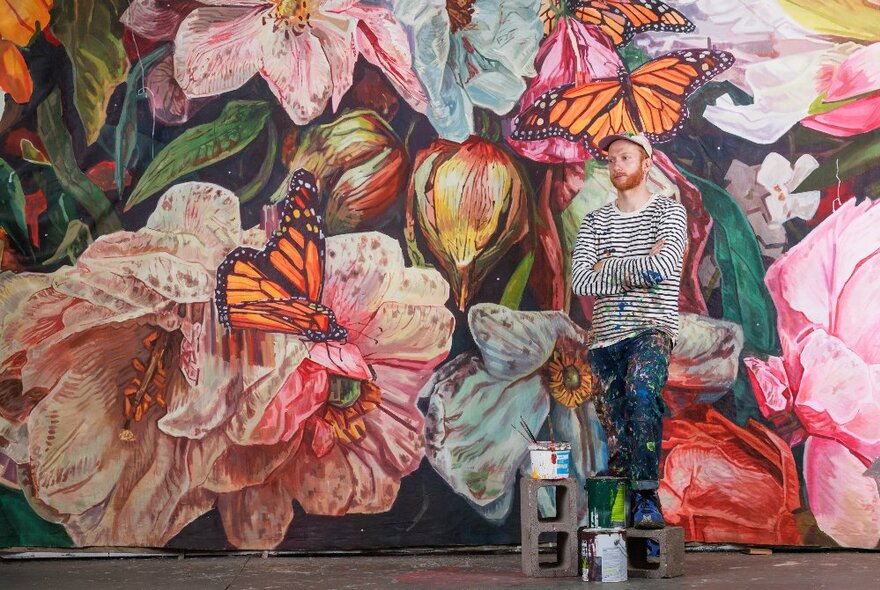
607	502
603	555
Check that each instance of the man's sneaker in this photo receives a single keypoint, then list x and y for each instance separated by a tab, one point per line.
646	513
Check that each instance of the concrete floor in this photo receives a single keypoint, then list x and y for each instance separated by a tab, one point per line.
712	571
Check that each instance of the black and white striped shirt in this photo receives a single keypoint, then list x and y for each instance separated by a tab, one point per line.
634	290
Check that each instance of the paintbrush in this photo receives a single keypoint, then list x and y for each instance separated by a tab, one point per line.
519	432
552	437
528	430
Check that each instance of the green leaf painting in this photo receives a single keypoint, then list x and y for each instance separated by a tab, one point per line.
851	160
92	36
516	286
76	238
20	526
744	296
238	125
126	130
59	146
12	206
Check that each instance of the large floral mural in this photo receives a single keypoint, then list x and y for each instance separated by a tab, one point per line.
287	275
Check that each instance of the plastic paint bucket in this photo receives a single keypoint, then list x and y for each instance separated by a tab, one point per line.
550	460
607	502
603	555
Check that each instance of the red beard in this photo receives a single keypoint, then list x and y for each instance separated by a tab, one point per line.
628	182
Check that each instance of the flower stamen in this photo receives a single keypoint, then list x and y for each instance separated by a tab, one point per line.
568	376
147	387
292	15
348	401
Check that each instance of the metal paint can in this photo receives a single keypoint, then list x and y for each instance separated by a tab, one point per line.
550	460
603	554
607	502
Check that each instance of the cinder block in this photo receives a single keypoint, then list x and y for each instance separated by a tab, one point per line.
564	524
671	565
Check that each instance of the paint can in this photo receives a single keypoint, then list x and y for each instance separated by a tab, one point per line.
603	554
607	502
550	460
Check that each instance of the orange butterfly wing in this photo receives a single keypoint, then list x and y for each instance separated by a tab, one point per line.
279	288
622	19
578	111
290	316
650	100
660	88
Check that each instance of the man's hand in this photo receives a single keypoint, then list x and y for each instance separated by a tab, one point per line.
606	254
655	249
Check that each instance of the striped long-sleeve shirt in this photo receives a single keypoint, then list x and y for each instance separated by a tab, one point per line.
634	290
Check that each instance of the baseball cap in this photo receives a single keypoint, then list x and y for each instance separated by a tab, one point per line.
637	138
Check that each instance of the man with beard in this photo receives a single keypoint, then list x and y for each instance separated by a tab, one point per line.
629	255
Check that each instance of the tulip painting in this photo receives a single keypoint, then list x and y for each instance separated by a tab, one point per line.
471	206
721	481
573	53
197	352
347	155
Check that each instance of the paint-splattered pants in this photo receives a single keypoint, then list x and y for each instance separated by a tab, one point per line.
628	377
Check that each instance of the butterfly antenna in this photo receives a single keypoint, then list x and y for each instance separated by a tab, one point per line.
338	352
309	355
361	334
349	328
338	366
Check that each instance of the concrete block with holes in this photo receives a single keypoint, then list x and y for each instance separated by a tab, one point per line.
671	563
563	524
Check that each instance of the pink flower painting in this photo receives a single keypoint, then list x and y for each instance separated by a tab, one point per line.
826	381
127	411
351	405
573	53
306	52
850	102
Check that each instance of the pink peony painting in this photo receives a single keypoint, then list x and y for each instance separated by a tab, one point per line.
825	380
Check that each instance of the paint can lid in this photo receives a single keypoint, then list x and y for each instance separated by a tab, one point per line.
546	445
599	479
618	529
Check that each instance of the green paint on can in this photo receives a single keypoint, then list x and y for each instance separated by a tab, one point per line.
607	502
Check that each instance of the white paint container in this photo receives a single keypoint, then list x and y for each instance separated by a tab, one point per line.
550	460
603	555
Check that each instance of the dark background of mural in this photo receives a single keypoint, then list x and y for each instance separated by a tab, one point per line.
426	512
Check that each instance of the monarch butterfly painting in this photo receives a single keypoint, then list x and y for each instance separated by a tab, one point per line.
619	19
650	100
278	288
